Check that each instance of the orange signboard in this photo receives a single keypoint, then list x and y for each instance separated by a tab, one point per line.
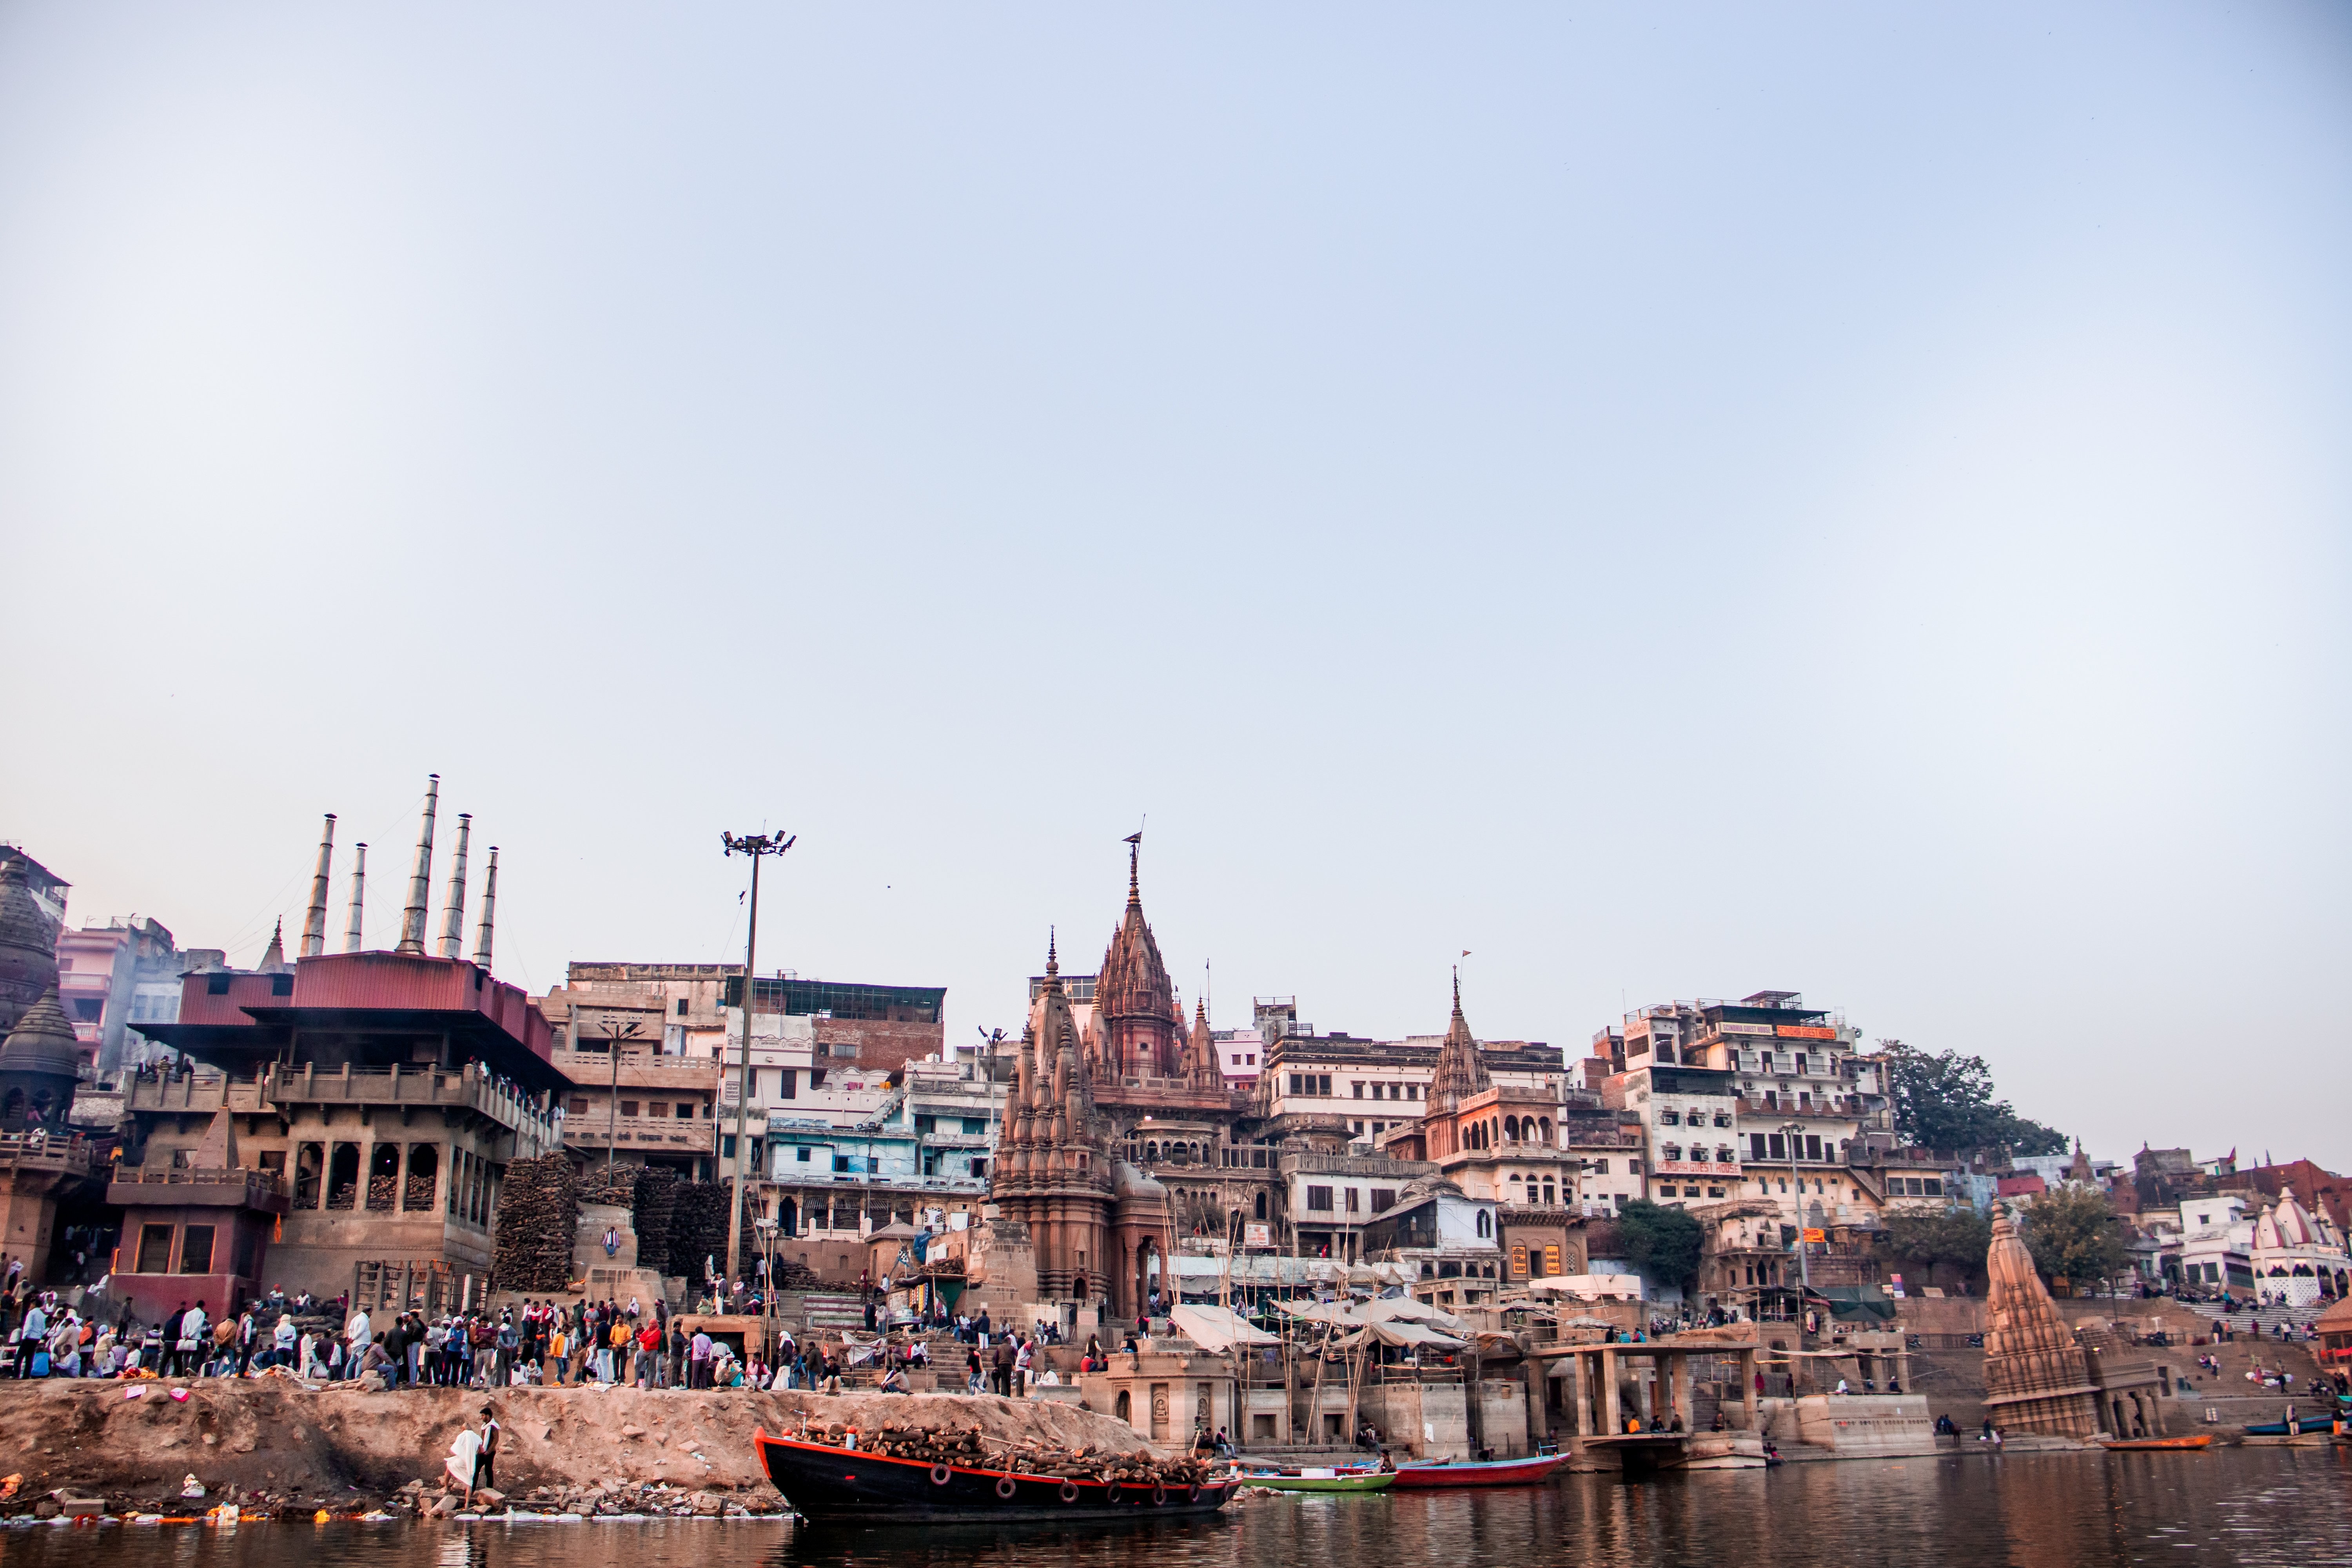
1805	1032
1814	1236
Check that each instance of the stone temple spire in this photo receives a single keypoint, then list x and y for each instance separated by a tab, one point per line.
1205	1072
2037	1376
1461	1068
1138	1029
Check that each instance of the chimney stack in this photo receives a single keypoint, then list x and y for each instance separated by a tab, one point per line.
420	882
489	909
359	898
314	928
453	913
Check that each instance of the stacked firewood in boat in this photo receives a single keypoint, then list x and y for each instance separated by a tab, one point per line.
966	1446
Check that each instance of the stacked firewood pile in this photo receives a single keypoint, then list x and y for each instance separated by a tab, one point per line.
654	1202
698	1227
383	1190
966	1446
795	1276
539	1211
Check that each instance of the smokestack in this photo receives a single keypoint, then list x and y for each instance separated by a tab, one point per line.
489	909
453	912
420	887
314	928
359	897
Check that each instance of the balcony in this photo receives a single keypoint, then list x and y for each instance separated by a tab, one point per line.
654	1134
399	1087
262	1190
62	1155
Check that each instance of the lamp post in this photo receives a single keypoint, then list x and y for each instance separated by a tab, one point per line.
612	1042
757	845
1804	1269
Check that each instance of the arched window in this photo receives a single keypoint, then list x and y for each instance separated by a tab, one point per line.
1151	1151
1485	1223
1544	1122
1260	1205
1511	1128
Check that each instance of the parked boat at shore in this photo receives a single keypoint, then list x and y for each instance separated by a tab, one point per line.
1312	1479
2137	1445
1479	1472
829	1485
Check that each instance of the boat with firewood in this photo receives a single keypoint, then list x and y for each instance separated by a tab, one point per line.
824	1482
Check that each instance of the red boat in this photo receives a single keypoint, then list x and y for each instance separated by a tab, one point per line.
826	1485
1479	1473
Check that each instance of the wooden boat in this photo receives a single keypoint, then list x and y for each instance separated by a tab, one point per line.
1312	1479
1479	1473
2302	1426
825	1485
2136	1445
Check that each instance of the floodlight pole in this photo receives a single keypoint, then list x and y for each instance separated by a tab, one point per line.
756	846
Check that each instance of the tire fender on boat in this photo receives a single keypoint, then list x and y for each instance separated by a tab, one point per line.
1069	1492
1194	1494
1004	1487
941	1475
1159	1492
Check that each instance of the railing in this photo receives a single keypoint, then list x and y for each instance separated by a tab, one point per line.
592	1130
41	1150
281	1085
258	1185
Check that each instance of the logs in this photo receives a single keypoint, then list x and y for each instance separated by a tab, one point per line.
965	1446
656	1199
539	1213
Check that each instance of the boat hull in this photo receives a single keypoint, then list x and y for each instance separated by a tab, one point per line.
1372	1483
2157	1445
836	1486
1489	1473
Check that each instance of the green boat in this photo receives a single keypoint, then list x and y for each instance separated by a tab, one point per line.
1312	1479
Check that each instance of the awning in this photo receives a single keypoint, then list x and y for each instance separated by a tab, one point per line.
1400	1335
1215	1329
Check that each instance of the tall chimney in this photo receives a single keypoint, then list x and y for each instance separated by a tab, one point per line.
453	912
489	909
359	898
314	928
420	890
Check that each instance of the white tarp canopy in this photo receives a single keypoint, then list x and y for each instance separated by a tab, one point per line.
1215	1329
1402	1335
1588	1286
1404	1310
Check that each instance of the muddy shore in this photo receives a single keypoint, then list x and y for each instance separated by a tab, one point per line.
277	1447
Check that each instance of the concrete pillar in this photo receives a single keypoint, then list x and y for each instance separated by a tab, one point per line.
1580	1387
1747	1364
1612	1421
1685	1393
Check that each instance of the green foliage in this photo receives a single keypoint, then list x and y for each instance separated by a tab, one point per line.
1957	1238
1944	1102
2074	1235
1660	1240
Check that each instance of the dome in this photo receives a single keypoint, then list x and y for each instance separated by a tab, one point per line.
38	1063
1130	1180
28	942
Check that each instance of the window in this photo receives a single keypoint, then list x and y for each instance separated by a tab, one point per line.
216	984
577	1105
1360	1090
845	1164
628	1108
1297	1082
1812	1146
1779	1145
1383	1199
1323	1085
1715	1192
788	1083
1935	1187
1669	1119
1756	1146
816	1079
658	1107
1485	1223
1318	1200
1356	1129
802	1155
1671	1152
1412	1091
1600	1167
196	1249
154	1249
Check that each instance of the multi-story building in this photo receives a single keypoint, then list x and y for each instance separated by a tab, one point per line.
631	1105
113	979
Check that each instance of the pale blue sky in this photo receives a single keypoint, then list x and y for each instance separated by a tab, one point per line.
1675	500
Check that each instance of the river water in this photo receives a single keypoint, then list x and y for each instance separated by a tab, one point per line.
2054	1510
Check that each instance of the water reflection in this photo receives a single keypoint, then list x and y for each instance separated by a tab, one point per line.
2238	1506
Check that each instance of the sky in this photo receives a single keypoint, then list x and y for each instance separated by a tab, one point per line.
1673	500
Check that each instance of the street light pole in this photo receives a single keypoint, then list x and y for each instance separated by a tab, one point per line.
613	1096
1804	1268
756	846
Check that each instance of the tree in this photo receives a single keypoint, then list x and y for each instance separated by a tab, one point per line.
2074	1235
1955	1238
1659	1240
1944	1102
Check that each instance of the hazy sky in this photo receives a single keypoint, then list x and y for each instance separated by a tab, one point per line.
1675	500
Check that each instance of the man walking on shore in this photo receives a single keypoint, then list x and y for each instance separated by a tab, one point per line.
485	1458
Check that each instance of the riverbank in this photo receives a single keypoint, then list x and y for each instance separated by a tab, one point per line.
276	1446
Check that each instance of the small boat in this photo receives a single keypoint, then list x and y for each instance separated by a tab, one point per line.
2136	1445
2302	1426
825	1485
1310	1478
1479	1472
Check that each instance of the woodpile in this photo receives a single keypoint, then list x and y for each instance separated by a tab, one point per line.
698	1228
539	1213
966	1446
653	1204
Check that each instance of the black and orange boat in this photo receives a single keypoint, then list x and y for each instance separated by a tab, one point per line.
829	1485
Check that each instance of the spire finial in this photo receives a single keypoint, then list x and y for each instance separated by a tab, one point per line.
1134	853
1457	990
1052	959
